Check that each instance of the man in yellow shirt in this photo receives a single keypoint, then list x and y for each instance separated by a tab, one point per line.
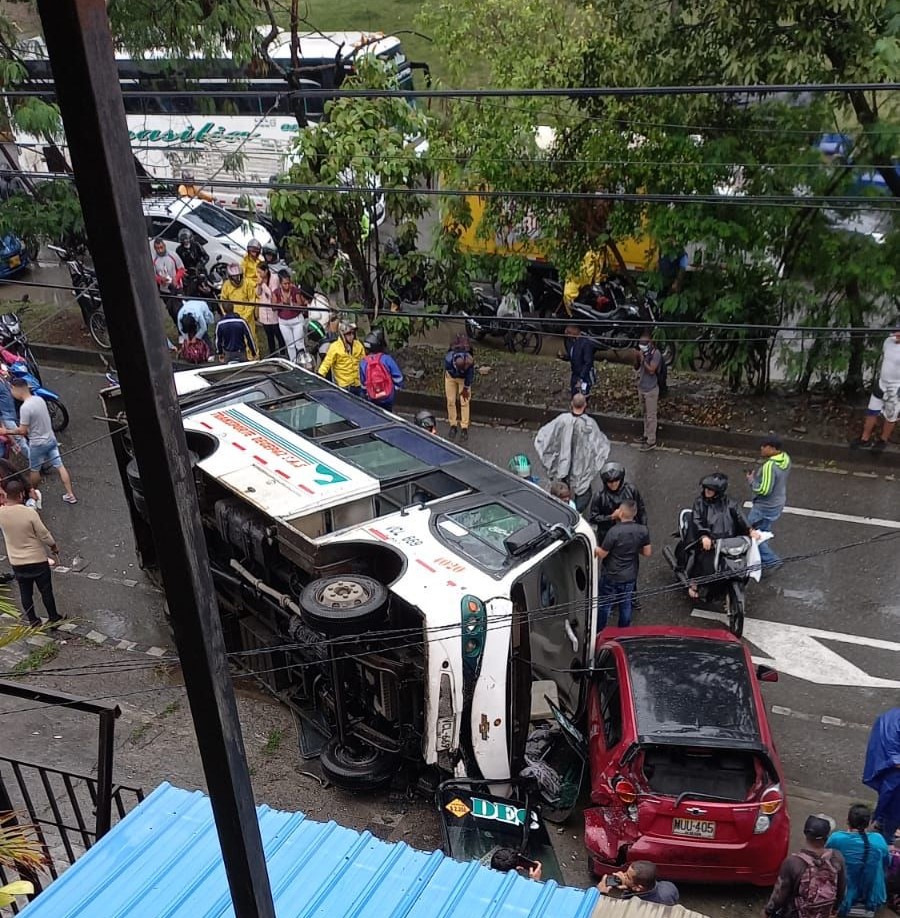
241	291
343	359
250	262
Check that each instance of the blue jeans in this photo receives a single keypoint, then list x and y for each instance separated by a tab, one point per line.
764	520
612	591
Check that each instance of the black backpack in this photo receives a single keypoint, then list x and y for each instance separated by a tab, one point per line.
662	377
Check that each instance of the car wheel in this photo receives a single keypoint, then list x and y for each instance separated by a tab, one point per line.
345	604
734	609
357	767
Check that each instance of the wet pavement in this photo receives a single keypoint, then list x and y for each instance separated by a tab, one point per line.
830	623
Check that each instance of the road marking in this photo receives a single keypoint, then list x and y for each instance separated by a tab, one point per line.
824	719
798	651
838	517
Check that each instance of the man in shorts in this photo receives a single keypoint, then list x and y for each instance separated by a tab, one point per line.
885	400
35	426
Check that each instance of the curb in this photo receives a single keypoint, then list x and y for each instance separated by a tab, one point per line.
674	434
618	426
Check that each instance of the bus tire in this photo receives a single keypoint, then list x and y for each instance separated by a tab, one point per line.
344	604
357	768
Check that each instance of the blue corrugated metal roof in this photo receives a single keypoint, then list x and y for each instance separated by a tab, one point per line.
163	861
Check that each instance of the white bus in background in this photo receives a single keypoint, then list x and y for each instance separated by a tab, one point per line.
217	134
413	604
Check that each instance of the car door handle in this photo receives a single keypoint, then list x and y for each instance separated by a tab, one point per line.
573	638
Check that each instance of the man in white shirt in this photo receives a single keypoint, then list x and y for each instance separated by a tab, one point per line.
885	399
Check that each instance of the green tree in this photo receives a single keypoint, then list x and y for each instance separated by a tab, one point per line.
759	264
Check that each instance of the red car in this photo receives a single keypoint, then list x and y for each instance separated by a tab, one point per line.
684	772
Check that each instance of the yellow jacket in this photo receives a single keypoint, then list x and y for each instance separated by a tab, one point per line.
249	266
343	365
593	268
244	292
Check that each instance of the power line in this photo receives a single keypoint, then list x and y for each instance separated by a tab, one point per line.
806	202
573	92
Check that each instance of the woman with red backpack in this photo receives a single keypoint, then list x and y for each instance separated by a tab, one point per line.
379	374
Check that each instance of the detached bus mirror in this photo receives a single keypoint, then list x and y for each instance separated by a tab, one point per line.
766	673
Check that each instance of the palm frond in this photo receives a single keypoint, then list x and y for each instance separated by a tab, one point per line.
20	845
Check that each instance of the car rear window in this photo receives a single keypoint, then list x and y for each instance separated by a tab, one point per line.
686	690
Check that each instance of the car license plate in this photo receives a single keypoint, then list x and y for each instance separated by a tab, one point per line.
15	261
445	727
695	828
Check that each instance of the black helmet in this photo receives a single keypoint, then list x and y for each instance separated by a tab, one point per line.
717	482
185	236
269	251
425	419
375	341
612	471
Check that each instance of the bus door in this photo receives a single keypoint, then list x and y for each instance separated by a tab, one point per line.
557	595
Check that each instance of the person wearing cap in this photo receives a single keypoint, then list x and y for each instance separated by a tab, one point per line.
812	881
292	305
769	486
190	189
169	271
241	293
343	359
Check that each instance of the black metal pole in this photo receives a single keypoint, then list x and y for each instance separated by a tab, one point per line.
87	86
105	753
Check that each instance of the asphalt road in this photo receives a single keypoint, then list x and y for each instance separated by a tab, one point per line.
830	623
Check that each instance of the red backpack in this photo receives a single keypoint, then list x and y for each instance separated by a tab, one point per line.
195	350
379	382
816	895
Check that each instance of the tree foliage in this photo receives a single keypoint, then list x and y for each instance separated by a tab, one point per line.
760	265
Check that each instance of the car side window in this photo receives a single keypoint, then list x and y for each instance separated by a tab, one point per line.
610	700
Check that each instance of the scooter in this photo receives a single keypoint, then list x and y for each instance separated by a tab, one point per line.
87	295
14	339
503	317
59	415
735	562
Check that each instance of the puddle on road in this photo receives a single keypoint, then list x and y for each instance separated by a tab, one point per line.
810	597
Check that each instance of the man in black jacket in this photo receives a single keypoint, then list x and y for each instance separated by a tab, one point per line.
714	516
580	355
605	508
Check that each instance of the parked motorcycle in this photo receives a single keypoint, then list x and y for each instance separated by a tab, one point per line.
605	313
87	295
503	317
14	339
59	415
735	563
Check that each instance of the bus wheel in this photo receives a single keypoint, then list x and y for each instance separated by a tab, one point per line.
357	766
344	604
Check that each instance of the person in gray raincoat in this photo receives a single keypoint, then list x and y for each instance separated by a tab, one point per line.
573	449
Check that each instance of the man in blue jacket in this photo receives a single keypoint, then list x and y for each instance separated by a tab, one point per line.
233	337
769	486
579	353
459	374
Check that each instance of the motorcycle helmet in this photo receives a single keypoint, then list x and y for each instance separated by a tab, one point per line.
520	465
612	471
234	272
254	247
344	328
305	360
425	419
375	341
187	177
717	483
185	236
270	253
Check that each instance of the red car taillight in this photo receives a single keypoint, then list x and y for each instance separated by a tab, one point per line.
771	800
625	790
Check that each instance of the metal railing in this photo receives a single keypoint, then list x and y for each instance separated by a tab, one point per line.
67	812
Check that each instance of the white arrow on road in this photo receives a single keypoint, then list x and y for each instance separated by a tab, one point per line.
797	651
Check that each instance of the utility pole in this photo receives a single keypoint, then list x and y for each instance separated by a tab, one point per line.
90	99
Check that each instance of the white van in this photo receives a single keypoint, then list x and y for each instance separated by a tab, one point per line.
407	599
